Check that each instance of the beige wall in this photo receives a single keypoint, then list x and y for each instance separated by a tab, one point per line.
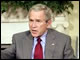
74	19
74	23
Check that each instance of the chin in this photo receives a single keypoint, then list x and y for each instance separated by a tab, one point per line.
34	35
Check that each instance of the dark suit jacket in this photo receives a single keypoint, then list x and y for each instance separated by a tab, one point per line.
58	46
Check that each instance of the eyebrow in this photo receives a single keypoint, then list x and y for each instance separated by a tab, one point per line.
36	19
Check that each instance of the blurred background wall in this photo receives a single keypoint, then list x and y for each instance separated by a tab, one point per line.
74	28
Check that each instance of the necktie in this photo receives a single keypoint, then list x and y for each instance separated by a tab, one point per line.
38	53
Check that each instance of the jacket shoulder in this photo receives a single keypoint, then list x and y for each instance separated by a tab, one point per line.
56	33
22	34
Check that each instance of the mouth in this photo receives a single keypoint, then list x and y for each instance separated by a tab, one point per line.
34	31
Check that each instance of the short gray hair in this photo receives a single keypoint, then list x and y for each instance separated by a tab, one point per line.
39	7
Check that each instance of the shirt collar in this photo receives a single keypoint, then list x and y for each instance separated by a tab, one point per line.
43	37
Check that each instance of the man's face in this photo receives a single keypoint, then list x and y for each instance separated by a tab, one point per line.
37	23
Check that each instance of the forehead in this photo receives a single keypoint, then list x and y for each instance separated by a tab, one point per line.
37	14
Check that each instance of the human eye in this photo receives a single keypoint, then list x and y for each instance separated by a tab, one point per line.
38	20
30	20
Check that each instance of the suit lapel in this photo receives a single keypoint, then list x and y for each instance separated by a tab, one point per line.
27	47
50	45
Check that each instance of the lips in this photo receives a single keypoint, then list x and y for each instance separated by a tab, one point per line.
34	31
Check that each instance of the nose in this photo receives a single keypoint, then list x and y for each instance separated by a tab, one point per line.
34	24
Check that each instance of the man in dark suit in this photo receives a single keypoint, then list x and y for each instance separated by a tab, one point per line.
52	45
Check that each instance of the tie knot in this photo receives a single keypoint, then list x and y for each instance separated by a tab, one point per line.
39	40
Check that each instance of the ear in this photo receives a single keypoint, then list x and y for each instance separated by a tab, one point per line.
49	23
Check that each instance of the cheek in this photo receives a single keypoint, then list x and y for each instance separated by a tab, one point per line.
43	28
30	25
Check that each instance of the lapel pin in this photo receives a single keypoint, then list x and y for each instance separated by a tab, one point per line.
53	44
